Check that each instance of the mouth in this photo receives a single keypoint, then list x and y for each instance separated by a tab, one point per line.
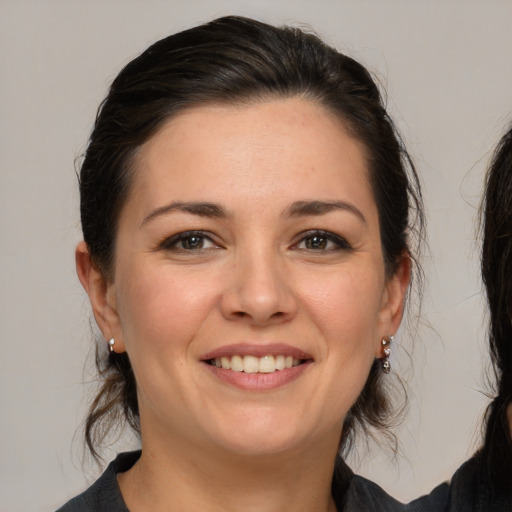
246	358
253	364
257	367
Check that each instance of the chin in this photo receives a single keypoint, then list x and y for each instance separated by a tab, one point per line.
259	446
262	436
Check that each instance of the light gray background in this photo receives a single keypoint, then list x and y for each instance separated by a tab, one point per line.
447	67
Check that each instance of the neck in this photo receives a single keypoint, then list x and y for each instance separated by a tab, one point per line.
193	479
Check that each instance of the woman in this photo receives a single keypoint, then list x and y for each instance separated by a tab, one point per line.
245	205
484	483
496	273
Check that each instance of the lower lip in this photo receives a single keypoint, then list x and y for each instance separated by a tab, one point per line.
259	381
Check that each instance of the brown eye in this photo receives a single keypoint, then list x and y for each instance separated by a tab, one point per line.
316	242
192	242
322	241
189	241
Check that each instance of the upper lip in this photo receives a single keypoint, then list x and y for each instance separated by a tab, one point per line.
256	350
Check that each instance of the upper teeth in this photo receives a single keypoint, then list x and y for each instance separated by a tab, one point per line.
252	364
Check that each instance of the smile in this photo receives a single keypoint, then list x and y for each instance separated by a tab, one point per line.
253	364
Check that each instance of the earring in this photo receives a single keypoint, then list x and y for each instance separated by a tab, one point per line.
111	344
386	352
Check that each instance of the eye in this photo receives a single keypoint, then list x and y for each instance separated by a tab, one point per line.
189	241
321	241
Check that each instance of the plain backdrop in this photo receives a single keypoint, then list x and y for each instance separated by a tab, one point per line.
447	69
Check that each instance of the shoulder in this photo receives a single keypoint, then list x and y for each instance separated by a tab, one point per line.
472	489
459	494
436	501
468	491
104	495
363	494
465	486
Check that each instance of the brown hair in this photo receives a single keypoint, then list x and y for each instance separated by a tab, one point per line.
235	60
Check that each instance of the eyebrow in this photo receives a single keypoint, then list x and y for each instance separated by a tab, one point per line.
312	208
296	209
202	209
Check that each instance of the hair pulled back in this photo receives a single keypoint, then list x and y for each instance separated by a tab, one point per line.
497	277
236	61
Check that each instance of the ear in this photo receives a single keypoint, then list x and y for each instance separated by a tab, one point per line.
101	293
393	301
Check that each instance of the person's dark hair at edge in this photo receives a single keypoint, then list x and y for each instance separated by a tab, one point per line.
237	61
497	277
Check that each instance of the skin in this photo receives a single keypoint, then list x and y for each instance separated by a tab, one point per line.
258	279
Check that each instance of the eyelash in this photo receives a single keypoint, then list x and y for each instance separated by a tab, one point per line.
171	243
340	243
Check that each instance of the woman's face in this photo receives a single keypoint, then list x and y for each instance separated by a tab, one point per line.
250	241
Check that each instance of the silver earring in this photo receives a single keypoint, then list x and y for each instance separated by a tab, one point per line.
111	344
386	352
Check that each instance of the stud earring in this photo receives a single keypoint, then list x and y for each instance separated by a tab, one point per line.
386	352
111	344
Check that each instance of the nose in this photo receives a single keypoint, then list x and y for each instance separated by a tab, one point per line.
259	290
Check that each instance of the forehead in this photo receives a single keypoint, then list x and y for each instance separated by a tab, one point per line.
280	149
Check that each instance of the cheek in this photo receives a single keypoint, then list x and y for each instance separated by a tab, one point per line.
163	309
345	307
